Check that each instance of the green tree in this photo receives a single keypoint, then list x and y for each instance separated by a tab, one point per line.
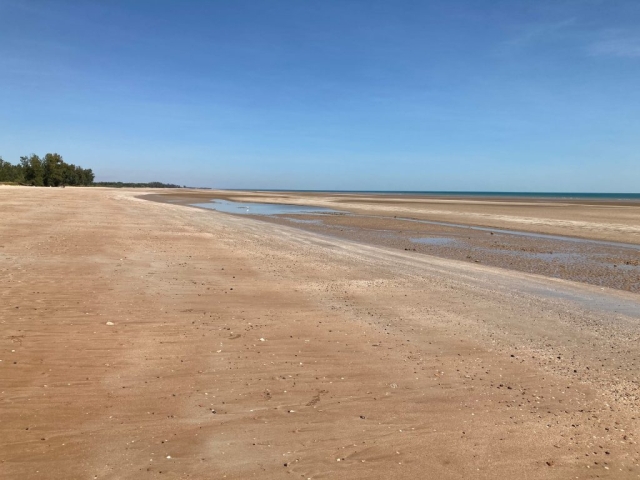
33	170
54	168
10	173
49	171
71	175
87	177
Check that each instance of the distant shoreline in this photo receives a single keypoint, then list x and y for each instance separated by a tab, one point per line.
451	193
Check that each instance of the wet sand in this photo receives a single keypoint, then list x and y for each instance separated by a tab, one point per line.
572	254
153	340
591	262
596	219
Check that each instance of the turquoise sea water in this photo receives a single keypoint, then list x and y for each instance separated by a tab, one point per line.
562	195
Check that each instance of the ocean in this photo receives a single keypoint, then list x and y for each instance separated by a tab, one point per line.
558	195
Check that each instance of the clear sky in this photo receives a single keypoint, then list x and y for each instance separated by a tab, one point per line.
396	95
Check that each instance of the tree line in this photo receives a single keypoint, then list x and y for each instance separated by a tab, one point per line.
48	171
137	185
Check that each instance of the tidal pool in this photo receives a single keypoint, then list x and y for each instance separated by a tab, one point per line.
252	208
437	241
523	233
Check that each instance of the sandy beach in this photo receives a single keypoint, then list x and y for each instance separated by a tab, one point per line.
151	339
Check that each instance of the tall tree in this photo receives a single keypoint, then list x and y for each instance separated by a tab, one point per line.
53	170
10	173
33	170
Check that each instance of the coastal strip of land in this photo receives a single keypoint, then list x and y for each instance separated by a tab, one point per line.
154	340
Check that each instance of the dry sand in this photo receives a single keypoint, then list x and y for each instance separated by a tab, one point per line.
150	340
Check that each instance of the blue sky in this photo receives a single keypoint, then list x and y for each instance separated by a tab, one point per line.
396	95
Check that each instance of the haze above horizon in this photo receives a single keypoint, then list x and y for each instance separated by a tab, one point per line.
334	95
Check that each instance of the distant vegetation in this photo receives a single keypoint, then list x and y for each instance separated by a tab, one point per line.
136	185
49	171
53	171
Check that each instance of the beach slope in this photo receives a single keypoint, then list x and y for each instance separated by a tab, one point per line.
151	340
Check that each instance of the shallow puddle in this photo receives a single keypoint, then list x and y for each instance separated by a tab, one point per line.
437	241
251	208
557	256
523	233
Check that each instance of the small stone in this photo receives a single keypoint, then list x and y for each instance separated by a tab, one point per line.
110	324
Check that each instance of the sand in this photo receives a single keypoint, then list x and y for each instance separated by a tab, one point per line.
590	255
597	219
153	340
